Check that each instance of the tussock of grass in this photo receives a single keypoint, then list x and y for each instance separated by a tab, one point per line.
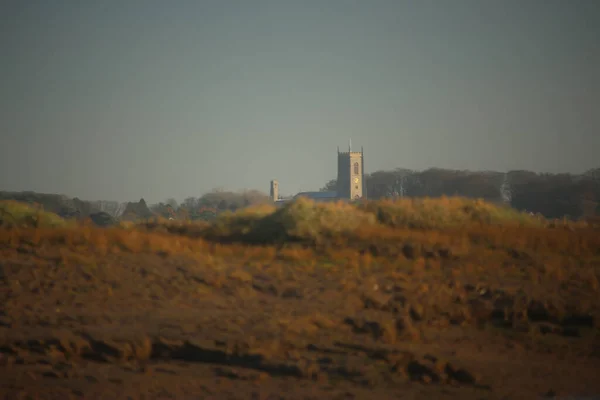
14	214
299	221
413	229
306	221
444	213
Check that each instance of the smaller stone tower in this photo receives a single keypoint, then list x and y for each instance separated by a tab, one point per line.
274	193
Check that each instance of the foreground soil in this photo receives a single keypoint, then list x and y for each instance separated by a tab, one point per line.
94	314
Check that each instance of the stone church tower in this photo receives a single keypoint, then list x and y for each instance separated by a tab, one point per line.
351	171
274	192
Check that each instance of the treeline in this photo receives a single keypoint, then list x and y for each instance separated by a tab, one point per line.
192	208
61	205
552	195
208	205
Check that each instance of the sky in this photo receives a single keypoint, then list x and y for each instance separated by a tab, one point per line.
124	99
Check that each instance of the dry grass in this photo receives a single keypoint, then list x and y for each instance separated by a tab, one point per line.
298	221
453	224
15	214
474	239
442	274
327	223
444	213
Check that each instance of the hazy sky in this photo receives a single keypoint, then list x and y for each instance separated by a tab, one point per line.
151	98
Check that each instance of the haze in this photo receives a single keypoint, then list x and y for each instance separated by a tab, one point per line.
126	99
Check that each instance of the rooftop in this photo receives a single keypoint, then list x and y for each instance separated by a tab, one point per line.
317	195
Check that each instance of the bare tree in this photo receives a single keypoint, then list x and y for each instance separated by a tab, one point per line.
112	208
173	203
190	203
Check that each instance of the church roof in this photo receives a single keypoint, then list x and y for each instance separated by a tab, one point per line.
317	195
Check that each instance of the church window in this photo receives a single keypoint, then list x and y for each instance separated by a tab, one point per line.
356	168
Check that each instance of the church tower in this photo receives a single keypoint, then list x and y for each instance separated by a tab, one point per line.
274	192
351	170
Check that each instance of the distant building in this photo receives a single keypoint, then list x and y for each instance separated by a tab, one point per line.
351	183
274	192
350	176
318	196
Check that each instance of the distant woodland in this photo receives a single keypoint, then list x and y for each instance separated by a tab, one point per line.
551	195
